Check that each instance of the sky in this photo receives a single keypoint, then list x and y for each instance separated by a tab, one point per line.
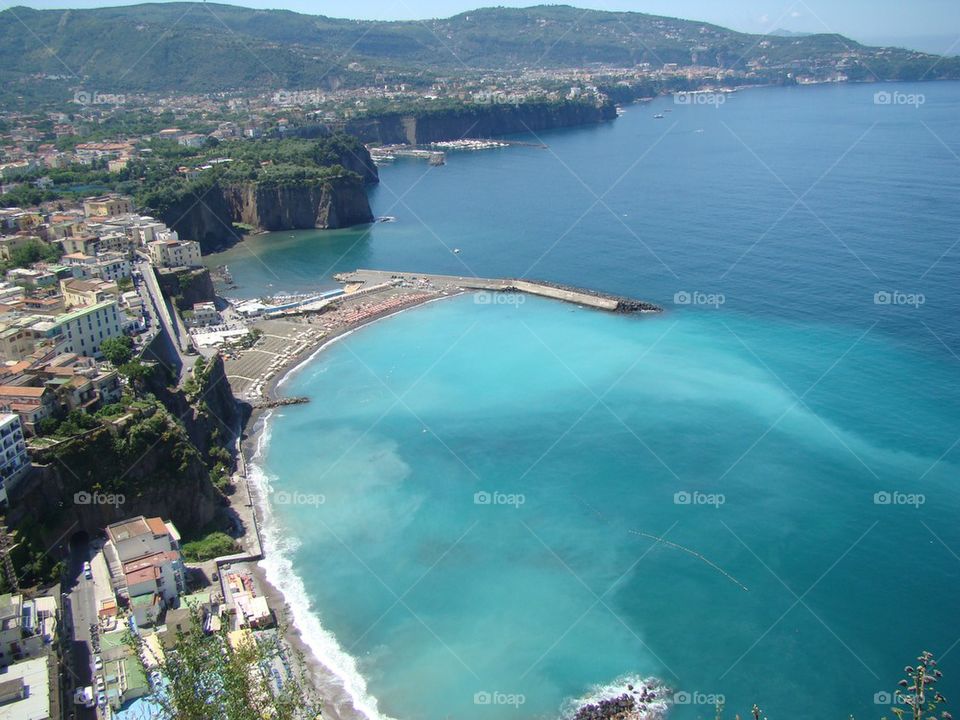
930	25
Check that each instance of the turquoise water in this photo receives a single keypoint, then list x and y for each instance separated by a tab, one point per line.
780	414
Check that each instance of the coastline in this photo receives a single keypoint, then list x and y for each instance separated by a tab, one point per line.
325	680
331	670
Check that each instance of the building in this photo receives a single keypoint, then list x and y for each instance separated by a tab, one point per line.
82	330
27	627
143	555
14	461
84	293
107	206
204	313
10	243
25	690
80	245
32	404
174	253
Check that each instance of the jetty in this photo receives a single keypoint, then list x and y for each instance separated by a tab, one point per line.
360	279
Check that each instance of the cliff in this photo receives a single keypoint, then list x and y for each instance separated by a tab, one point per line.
162	458
186	287
338	202
477	121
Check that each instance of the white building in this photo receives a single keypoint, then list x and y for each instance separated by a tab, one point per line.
27	627
25	691
174	253
82	330
143	555
205	313
14	461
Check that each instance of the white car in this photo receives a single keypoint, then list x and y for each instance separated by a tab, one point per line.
87	571
98	663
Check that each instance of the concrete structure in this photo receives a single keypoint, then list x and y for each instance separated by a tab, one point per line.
107	206
145	564
82	330
32	404
14	461
84	293
25	691
27	627
205	313
174	253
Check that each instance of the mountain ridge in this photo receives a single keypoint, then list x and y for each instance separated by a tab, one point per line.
219	47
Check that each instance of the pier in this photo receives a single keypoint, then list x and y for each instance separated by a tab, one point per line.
452	283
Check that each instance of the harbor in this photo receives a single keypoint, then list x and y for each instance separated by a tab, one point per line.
287	329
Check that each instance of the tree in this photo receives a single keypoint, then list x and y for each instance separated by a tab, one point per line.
118	350
206	677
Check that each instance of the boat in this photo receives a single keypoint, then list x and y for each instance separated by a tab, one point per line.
386	218
456	251
658	116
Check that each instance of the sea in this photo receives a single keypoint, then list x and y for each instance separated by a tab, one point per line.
505	506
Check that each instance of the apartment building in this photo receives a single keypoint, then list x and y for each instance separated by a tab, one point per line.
14	461
107	206
82	330
174	253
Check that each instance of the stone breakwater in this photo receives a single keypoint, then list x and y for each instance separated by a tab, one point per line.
452	284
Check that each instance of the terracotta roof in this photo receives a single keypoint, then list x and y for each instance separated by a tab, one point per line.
157	525
22	391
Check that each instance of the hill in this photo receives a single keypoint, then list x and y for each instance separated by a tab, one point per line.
207	47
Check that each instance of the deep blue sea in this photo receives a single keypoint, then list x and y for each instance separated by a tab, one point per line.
752	495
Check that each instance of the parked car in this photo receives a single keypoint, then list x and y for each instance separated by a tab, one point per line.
87	571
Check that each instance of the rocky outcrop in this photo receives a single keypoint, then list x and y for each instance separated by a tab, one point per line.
155	462
186	286
478	121
337	202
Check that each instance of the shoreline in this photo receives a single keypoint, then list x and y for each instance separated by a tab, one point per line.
253	439
304	633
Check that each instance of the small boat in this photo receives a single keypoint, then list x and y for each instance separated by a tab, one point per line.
456	251
386	218
658	116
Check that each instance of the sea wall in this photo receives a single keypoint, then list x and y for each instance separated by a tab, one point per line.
477	121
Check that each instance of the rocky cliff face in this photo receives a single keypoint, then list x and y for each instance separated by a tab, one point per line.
186	286
478	121
336	203
158	463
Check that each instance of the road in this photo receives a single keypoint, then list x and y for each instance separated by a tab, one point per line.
81	611
163	318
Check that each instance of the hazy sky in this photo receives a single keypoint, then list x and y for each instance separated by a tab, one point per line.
934	24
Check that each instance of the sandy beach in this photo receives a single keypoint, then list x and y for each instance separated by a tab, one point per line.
259	374
249	503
